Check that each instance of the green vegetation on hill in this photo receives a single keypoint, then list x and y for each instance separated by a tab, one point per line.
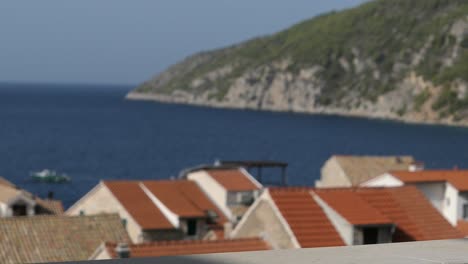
366	51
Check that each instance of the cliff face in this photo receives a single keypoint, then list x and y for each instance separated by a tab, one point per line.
397	59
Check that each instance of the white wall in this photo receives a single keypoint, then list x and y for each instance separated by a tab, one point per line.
101	200
212	189
103	255
3	209
435	193
450	208
332	175
385	180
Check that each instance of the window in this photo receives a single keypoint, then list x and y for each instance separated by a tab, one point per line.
19	210
245	198
370	235
191	227
465	211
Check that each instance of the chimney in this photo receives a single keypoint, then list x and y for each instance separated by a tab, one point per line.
416	166
122	250
50	195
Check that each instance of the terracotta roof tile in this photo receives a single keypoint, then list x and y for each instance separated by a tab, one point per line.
305	217
138	204
458	178
184	198
192	247
352	207
56	238
462	226
414	215
173	195
406	207
233	179
362	168
219	233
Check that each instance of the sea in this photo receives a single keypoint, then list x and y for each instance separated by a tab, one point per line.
91	133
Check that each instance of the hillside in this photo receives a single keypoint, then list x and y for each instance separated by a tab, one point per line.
396	59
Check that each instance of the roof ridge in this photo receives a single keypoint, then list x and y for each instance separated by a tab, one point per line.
188	198
55	216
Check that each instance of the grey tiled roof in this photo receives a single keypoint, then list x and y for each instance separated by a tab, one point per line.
362	168
5	182
56	238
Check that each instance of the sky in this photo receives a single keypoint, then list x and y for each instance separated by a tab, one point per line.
128	42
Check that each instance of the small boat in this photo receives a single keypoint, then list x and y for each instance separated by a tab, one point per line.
50	176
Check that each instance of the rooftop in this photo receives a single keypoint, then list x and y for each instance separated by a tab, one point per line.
182	197
138	204
8	193
234	179
351	206
308	222
56	238
5	182
413	214
458	178
462	226
406	207
362	168
191	247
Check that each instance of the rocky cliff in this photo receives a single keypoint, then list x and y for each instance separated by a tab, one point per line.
397	59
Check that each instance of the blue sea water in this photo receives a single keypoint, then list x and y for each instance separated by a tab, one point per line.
92	133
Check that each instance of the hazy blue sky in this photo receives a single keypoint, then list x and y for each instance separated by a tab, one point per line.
117	41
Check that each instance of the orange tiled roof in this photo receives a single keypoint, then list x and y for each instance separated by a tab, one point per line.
406	207
415	217
138	204
233	179
462	226
191	247
184	198
352	207
308	222
458	178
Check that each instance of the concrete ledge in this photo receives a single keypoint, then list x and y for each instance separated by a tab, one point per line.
442	251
